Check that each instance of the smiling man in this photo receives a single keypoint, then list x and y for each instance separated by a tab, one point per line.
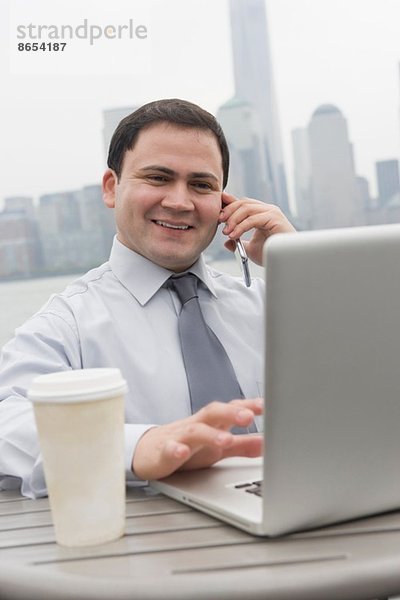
168	165
167	196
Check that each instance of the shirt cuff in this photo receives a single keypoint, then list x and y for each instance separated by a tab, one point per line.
133	433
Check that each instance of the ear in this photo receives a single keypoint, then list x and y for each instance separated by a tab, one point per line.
110	181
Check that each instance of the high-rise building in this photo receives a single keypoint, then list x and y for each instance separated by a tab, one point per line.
241	126
97	223
302	177
364	193
59	227
23	204
388	180
111	118
254	83
334	191
247	172
76	229
20	254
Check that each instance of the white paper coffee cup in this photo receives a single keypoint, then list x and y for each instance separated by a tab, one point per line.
80	420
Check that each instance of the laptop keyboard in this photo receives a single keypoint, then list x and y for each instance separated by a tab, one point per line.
251	487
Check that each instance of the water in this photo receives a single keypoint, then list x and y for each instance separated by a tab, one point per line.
21	299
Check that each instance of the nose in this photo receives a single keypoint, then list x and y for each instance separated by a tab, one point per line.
178	198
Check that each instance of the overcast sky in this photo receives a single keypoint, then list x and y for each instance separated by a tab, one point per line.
345	52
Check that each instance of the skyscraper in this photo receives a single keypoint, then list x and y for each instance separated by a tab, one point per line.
334	190
254	83
20	204
241	126
247	172
388	178
302	177
19	244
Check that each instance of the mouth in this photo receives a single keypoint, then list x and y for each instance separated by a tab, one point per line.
176	226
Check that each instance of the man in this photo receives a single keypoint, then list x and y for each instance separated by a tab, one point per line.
168	165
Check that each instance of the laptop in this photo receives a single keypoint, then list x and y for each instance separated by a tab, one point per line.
332	390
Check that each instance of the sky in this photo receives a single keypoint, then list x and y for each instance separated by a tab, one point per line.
343	52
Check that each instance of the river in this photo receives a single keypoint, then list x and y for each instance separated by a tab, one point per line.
21	299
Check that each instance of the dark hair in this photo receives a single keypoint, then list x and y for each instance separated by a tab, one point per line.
178	112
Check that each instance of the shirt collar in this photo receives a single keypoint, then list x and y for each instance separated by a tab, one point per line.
143	278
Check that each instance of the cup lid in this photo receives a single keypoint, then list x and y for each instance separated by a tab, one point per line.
78	385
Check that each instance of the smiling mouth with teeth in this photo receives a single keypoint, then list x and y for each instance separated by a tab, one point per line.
171	226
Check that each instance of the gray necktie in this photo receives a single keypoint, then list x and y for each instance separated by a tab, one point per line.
209	371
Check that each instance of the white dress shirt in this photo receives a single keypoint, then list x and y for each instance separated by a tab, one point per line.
122	315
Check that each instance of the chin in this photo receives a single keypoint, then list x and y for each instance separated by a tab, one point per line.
176	264
174	261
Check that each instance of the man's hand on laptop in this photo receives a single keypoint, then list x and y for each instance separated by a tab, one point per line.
246	214
199	440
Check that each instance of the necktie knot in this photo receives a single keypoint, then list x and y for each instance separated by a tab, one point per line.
185	286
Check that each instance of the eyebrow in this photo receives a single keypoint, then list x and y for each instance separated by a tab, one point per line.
167	171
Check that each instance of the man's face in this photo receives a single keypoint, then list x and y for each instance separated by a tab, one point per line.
168	198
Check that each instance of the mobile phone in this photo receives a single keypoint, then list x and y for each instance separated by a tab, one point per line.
244	262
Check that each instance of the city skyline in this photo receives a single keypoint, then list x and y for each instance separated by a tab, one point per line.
68	231
366	50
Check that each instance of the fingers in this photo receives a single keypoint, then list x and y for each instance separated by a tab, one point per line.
250	446
247	214
165	449
243	215
198	441
234	204
228	198
156	456
198	434
191	439
223	415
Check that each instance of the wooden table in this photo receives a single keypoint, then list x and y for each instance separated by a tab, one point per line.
171	552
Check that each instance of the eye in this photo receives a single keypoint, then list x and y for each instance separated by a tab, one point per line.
157	178
203	186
